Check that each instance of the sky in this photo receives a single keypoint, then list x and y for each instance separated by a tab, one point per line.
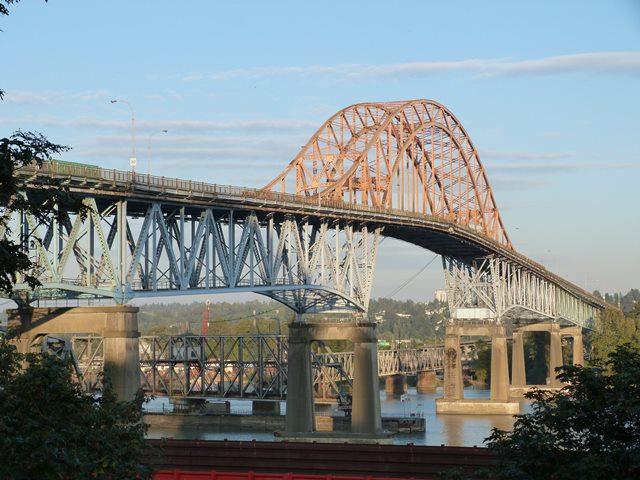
547	91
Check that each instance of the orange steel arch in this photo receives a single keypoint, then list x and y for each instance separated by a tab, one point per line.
414	156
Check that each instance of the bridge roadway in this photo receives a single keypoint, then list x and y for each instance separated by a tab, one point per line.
444	237
242	367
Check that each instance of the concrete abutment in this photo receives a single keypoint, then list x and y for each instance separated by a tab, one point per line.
366	417
118	325
519	385
453	401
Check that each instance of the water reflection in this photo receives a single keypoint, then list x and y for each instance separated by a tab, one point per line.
451	430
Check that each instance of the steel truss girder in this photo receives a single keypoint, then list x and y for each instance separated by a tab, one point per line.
168	250
496	289
251	366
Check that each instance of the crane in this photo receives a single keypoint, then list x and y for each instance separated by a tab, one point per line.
205	319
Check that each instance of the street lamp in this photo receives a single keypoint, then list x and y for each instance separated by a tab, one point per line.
149	150
132	160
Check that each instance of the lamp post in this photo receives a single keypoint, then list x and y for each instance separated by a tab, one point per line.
132	160
149	150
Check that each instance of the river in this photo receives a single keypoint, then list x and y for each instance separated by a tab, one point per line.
450	430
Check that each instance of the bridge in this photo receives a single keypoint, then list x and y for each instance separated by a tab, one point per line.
251	366
308	239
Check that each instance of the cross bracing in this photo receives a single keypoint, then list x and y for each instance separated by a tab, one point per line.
250	366
495	289
162	249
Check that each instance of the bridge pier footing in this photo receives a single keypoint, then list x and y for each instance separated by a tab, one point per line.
366	417
395	384
118	325
299	416
519	384
453	401
426	382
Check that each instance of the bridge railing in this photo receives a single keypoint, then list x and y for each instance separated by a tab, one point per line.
139	182
96	177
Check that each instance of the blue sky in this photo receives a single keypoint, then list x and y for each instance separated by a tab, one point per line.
547	90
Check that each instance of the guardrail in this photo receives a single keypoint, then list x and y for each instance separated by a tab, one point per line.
189	189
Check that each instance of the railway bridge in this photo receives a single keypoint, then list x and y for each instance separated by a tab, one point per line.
250	366
308	239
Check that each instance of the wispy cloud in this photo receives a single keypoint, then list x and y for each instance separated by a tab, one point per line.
519	155
185	125
47	97
627	63
515	162
549	167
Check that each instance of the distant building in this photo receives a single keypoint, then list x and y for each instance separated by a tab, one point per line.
441	296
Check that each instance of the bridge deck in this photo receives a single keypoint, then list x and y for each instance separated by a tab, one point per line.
436	234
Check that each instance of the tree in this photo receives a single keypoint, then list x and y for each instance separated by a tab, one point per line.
613	329
589	430
50	429
18	150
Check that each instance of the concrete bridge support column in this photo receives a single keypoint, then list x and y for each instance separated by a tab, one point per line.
299	418
426	382
395	384
366	417
578	349
453	383
499	368
555	355
118	325
518	372
122	354
366	421
453	401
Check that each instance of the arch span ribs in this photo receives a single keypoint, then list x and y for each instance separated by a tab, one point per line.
414	156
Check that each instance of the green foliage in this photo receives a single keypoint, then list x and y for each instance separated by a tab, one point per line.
50	429
409	320
242	318
259	317
589	430
481	365
613	329
536	357
16	151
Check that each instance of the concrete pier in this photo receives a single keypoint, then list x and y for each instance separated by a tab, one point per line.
518	372
453	401
366	418
519	384
299	417
555	355
118	325
426	382
265	407
395	384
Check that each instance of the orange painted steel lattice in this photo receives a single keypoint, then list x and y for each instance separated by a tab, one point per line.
414	156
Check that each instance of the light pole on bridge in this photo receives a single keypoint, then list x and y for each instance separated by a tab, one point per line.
149	149
132	160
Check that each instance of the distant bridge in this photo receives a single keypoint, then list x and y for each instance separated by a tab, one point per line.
240	367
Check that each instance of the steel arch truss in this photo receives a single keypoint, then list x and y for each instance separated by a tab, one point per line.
159	249
413	156
494	289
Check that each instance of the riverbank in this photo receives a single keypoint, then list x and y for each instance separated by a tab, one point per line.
195	424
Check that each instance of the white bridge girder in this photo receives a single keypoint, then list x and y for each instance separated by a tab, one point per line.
161	249
496	290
